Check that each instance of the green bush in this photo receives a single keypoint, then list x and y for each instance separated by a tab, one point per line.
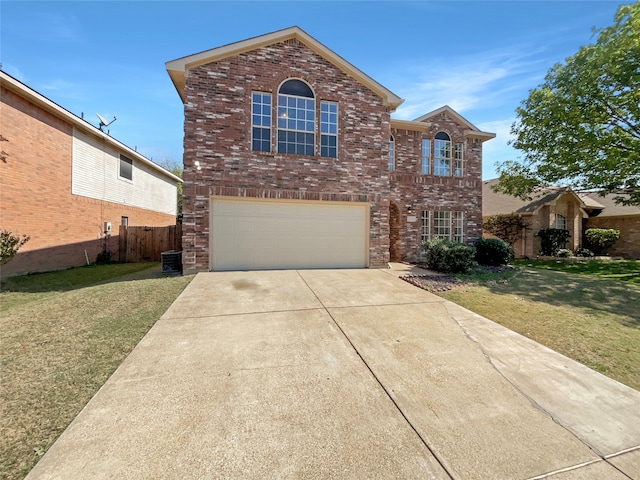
552	240
564	253
448	257
583	252
601	239
10	244
492	251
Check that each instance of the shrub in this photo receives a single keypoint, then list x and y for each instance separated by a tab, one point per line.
10	244
492	251
564	253
552	240
584	252
601	239
448	257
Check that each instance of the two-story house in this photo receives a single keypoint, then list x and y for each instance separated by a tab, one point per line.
292	160
68	185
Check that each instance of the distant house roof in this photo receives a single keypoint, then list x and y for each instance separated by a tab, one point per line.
607	205
178	68
495	203
471	131
43	102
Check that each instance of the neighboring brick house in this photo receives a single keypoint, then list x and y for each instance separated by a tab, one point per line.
292	160
561	207
553	207
604	212
62	179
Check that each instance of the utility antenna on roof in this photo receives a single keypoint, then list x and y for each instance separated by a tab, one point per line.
103	122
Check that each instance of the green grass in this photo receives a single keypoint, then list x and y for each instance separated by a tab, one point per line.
586	312
623	270
62	334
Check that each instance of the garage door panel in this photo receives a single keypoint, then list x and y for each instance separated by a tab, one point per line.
264	234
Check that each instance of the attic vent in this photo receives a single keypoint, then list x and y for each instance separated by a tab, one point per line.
292	41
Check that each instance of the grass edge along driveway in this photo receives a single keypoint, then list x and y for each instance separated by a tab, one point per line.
590	315
62	334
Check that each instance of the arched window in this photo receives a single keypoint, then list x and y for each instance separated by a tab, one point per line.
296	118
392	154
442	154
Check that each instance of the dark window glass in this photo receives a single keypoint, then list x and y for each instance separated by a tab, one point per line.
126	167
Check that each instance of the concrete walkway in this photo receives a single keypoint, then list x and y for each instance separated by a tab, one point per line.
349	374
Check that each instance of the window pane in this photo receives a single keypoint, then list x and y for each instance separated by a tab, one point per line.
442	225
126	167
328	129
426	230
426	156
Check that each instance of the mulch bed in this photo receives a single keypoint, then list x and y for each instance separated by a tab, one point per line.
434	283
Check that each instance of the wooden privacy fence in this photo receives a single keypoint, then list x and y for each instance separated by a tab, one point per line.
145	244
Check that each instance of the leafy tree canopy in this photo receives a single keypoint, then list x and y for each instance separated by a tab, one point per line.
581	126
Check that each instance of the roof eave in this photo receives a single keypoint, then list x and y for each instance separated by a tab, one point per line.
50	106
178	68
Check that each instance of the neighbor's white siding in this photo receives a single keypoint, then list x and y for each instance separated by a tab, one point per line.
95	174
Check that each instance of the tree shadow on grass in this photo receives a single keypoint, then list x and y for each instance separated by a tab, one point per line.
560	289
80	277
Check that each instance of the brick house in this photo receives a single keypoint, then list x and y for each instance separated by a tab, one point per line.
604	212
561	207
63	179
292	160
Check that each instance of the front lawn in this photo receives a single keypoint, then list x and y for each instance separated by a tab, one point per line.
587	311
62	334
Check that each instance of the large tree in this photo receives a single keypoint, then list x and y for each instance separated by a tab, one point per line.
581	126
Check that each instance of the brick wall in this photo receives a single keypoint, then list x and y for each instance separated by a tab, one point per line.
628	245
218	136
35	193
428	192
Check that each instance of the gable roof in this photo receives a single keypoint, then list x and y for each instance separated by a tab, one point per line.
19	88
471	131
178	68
607	205
495	203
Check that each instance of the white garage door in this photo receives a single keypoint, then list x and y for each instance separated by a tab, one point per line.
267	234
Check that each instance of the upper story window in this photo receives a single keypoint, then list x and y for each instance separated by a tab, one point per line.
457	160
126	168
296	118
425	156
442	154
329	129
392	154
261	122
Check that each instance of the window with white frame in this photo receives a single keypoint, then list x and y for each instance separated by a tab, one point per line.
458	227
442	155
296	118
392	154
442	225
560	221
426	226
126	168
261	122
457	160
329	129
425	156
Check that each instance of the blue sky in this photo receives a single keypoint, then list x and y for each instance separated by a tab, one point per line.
479	57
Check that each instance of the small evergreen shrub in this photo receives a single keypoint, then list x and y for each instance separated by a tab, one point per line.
492	251
564	253
10	244
584	252
448	257
552	240
601	239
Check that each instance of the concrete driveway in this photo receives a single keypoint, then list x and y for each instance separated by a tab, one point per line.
349	374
